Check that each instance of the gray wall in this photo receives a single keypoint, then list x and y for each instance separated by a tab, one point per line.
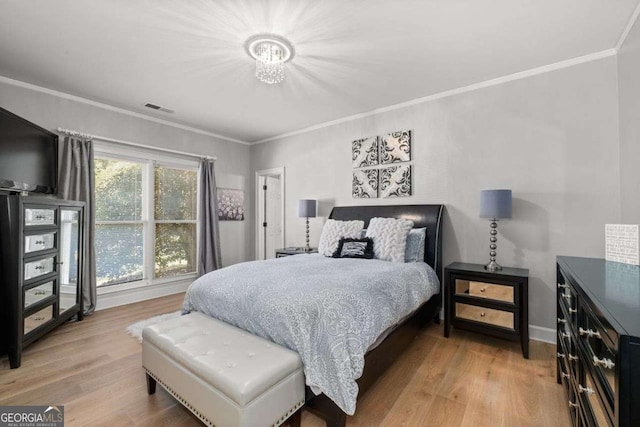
51	111
552	138
629	106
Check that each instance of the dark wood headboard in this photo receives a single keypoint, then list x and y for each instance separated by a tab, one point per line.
429	216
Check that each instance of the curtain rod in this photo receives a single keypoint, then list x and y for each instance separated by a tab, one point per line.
132	144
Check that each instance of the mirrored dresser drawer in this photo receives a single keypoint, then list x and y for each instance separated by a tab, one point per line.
36	216
39	242
40	267
38	293
38	319
490	302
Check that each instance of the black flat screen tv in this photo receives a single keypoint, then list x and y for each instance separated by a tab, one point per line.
28	156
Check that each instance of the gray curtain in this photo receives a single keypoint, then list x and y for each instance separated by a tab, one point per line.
209	230
76	182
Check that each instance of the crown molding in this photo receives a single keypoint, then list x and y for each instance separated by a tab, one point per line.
18	83
627	29
476	86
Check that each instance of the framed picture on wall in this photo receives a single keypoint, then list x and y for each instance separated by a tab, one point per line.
230	204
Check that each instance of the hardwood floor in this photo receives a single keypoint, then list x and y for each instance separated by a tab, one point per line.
93	368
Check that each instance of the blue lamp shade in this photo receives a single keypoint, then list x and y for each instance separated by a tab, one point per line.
306	208
495	204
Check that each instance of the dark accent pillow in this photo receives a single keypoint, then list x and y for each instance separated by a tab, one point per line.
354	248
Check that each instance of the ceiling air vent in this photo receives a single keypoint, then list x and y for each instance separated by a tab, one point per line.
157	107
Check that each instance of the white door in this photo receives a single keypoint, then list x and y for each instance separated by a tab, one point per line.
273	231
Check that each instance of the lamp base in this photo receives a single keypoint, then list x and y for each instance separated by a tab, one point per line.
493	266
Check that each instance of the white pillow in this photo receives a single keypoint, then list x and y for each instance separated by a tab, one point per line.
416	241
333	231
389	237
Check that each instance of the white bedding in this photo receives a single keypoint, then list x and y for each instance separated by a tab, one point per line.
330	311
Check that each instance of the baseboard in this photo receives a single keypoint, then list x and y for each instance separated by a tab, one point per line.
129	296
538	333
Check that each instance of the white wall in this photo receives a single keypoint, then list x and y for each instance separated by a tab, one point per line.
232	169
552	138
629	106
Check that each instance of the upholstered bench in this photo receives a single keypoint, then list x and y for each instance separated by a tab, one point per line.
224	375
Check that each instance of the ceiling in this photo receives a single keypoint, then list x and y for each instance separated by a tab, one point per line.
351	56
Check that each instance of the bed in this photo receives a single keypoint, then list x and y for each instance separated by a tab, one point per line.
348	319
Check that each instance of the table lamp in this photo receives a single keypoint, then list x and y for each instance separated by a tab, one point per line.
494	205
307	209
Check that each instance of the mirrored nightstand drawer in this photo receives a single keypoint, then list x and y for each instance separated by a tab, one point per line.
492	291
504	319
39	242
38	319
39	268
38	293
39	217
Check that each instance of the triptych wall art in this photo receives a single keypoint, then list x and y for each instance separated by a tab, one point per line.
375	173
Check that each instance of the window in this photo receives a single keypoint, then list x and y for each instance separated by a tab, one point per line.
146	211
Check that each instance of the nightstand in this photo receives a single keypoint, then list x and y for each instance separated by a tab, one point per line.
294	251
490	302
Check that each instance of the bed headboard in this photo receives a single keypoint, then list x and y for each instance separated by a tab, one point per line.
429	216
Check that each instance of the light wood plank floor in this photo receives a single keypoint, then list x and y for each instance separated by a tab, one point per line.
93	368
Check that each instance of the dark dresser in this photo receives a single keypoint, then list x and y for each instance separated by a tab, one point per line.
598	306
41	264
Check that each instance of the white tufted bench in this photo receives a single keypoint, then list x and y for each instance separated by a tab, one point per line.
224	375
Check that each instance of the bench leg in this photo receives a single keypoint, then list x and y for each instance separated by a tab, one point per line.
151	384
296	419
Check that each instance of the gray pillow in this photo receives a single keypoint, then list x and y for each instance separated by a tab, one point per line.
416	241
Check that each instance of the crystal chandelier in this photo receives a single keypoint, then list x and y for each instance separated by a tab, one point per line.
271	52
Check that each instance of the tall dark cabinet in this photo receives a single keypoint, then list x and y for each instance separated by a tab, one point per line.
41	262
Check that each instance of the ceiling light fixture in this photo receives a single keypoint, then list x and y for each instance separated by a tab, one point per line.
270	52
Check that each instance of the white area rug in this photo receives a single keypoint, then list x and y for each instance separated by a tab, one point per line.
135	329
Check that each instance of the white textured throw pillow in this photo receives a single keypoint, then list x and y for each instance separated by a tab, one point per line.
389	237
333	231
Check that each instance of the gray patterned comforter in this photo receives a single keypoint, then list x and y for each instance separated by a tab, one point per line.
330	311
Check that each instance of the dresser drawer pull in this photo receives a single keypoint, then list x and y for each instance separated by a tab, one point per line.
39	267
573	310
564	334
561	320
41	217
563	286
39	242
563	375
589	332
560	355
483	289
585	389
38	318
605	363
483	314
573	405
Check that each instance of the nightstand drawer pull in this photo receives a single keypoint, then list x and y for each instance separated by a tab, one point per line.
585	389
573	358
565	375
573	405
562	286
589	332
564	335
567	297
560	355
604	362
573	310
483	314
561	320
